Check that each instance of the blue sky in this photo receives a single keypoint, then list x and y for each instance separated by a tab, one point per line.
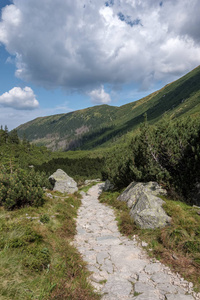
60	56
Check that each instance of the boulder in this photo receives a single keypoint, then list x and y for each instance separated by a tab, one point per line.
108	186
62	182
145	207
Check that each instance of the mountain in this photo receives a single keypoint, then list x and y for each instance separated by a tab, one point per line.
103	124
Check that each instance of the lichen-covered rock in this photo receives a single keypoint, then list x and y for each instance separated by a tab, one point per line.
145	207
62	182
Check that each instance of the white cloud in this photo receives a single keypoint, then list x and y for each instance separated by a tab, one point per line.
21	99
80	45
99	96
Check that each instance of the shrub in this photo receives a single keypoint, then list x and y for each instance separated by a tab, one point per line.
21	188
44	218
37	259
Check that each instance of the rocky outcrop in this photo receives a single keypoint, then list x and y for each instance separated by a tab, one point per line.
145	207
62	182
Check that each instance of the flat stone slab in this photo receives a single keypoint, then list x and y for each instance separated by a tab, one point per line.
147	296
179	297
160	278
153	268
117	287
101	256
108	240
166	288
140	287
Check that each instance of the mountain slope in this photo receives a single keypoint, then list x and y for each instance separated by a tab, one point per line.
98	125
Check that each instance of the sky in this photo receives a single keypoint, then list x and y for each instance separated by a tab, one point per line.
60	56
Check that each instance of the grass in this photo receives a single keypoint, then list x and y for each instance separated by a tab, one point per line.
177	245
103	281
86	188
37	259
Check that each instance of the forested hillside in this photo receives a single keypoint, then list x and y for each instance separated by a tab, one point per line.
165	146
168	153
102	125
16	154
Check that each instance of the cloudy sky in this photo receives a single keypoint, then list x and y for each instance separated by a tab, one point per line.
63	55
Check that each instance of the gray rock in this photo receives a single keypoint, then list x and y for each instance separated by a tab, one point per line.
147	296
160	277
179	297
117	287
167	288
108	186
101	256
152	268
141	287
143	277
108	266
145	207
62	182
108	239
49	195
96	278
144	244
128	195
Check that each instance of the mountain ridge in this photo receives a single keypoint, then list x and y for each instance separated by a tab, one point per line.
99	125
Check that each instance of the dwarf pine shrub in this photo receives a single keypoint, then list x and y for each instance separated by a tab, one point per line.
21	188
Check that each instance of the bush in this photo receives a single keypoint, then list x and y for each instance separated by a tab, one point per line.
37	259
21	188
44	218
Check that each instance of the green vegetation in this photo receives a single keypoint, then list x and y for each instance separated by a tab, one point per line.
105	125
78	168
16	153
177	245
37	260
22	188
167	153
86	188
166	149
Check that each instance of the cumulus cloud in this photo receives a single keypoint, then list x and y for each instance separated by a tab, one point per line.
99	96
81	45
21	99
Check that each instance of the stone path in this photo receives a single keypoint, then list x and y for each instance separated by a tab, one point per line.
121	269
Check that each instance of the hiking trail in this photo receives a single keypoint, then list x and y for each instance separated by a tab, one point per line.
121	268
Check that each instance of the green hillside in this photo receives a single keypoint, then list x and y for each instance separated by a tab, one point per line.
101	125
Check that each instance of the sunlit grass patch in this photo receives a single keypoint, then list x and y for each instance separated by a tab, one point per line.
86	188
